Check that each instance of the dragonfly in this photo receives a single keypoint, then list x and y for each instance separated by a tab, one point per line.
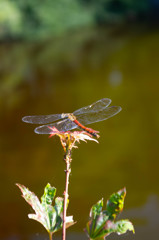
96	112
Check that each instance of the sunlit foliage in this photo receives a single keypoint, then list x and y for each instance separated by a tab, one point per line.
40	19
20	19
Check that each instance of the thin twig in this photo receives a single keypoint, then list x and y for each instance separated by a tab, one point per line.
67	171
50	236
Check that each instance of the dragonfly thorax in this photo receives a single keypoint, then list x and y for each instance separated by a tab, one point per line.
71	117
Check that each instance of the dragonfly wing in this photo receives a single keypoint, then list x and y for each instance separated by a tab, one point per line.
63	126
42	119
98	116
99	105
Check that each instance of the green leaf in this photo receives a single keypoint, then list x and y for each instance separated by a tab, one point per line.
102	223
106	230
123	226
59	205
94	227
115	203
46	201
51	217
48	196
94	212
96	209
33	200
69	221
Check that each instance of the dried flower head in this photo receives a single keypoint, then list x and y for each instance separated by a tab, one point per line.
68	139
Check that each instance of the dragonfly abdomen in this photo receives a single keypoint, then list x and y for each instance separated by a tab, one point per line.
88	130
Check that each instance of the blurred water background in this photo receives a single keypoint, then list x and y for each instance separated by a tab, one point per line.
57	56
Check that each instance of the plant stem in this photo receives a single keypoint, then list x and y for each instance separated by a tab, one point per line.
50	236
67	159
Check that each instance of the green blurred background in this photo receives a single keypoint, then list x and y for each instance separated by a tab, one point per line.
57	56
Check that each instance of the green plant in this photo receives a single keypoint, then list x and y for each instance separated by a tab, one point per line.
53	218
102	222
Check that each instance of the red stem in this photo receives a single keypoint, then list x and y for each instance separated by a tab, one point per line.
67	171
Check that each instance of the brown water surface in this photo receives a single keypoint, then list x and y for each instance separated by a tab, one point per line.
61	76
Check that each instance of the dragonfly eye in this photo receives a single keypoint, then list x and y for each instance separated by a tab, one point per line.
64	115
